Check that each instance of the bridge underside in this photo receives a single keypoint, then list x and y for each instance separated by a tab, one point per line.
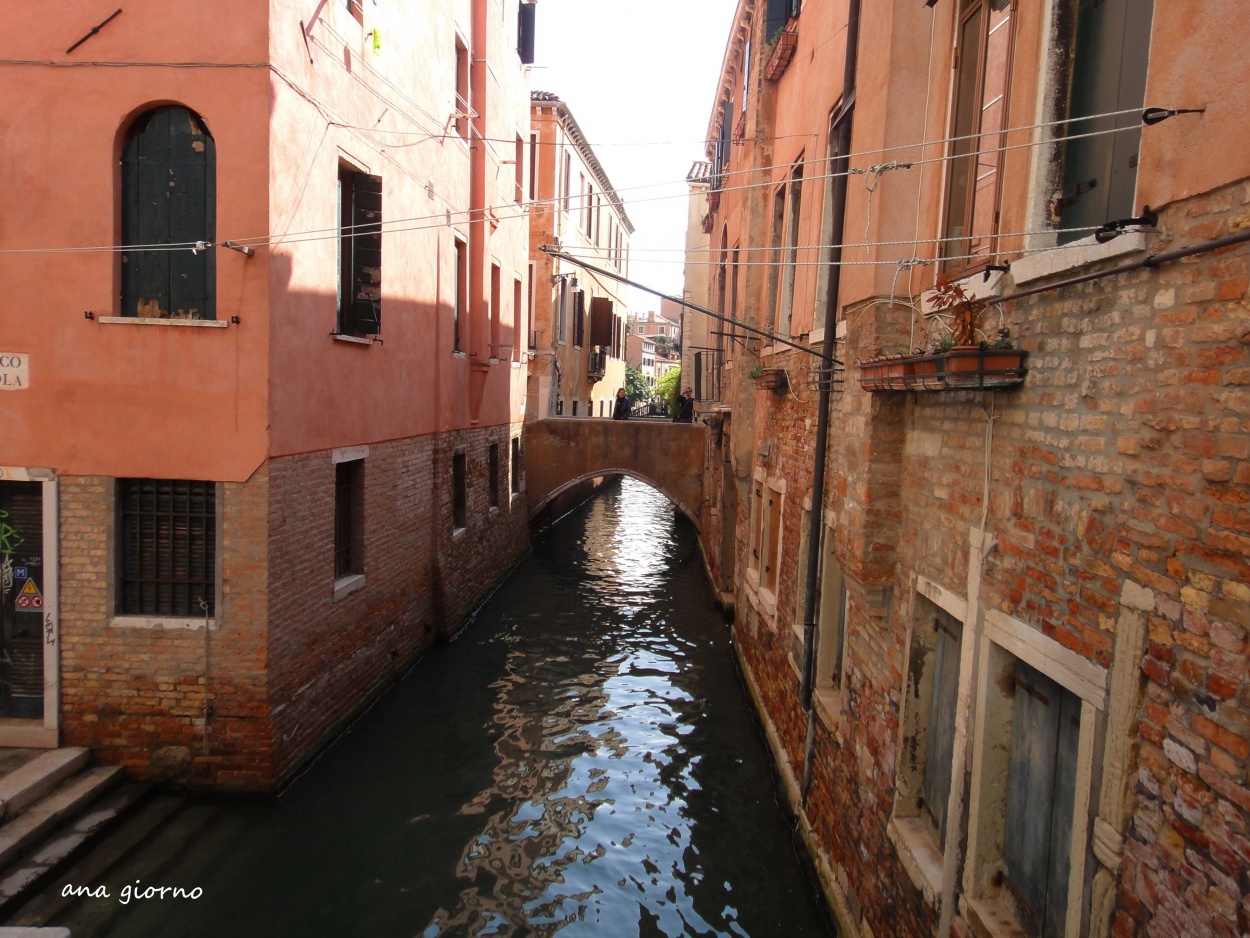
563	451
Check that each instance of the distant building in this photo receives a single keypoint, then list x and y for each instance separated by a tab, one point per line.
577	343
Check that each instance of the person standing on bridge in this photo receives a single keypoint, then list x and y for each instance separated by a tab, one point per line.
620	409
685	407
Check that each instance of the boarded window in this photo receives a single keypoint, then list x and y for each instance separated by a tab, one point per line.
349	518
168	547
940	742
1108	74
983	71
169	168
360	253
1041	793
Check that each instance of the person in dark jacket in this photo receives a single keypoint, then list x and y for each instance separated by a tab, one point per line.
685	407
620	409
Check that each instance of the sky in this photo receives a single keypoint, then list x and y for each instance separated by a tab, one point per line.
640	77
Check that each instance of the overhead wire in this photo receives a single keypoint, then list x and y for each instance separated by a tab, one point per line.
444	218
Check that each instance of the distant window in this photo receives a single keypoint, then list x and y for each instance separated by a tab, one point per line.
575	403
459	491
496	313
461	303
779	11
168	544
492	460
568	168
520	170
517	336
533	167
790	266
516	465
349	518
169	167
463	108
356	9
360	253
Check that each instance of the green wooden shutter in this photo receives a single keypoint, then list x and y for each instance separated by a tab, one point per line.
778	13
168	197
1041	788
1108	74
940	744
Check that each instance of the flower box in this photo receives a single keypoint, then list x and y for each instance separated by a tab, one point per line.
771	379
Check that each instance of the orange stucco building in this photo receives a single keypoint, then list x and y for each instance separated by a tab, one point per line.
266	410
1000	647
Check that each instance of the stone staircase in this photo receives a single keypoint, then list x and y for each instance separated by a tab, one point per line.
52	803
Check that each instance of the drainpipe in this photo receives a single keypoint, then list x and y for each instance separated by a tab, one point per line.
839	180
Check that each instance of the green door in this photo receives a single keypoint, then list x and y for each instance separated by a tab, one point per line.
21	600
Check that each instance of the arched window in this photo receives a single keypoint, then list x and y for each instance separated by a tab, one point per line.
169	170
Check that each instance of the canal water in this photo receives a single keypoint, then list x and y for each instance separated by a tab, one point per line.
581	760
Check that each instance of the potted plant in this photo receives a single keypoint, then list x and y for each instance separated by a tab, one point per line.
969	362
768	379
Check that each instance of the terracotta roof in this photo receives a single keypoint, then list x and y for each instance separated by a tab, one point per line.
700	171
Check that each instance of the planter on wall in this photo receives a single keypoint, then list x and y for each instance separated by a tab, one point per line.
771	379
966	367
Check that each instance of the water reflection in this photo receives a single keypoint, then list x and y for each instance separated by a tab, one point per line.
580	761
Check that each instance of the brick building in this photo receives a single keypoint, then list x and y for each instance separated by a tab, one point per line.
1029	711
263	445
577	344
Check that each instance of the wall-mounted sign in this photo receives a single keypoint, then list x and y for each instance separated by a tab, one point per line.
14	371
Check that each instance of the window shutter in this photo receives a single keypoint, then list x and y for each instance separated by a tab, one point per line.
939	750
525	32
600	321
1045	729
579	316
1108	74
367	254
698	375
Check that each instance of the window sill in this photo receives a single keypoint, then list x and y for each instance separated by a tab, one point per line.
457	533
828	704
346	585
163	622
991	921
921	857
1073	256
353	339
153	321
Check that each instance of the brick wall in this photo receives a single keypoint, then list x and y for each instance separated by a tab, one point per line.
139	696
1121	464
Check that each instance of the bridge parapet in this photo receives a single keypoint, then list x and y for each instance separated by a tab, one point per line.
562	451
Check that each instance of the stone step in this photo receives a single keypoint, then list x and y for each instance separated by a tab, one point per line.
30	871
23	833
25	785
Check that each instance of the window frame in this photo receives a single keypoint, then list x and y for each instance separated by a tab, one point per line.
126	575
349	520
359	243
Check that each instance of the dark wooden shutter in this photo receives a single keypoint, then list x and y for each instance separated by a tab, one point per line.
600	321
579	316
1041	780
940	744
168	547
525	32
1108	74
168	197
366	246
778	13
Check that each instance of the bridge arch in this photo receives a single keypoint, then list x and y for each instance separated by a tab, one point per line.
560	452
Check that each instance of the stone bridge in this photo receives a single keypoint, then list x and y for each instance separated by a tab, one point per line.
563	451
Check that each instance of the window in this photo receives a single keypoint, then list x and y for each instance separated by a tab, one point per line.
568	169
1031	793
924	770
349	518
774	273
772	529
1108	74
982	78
526	22
459	492
519	167
360	253
516	465
496	313
779	12
766	506
463	108
169	173
575	403
533	167
461	298
790	267
168	547
356	9
562	314
492	460
518	327
579	319
831	617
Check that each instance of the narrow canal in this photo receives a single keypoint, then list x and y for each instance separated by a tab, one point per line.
581	760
